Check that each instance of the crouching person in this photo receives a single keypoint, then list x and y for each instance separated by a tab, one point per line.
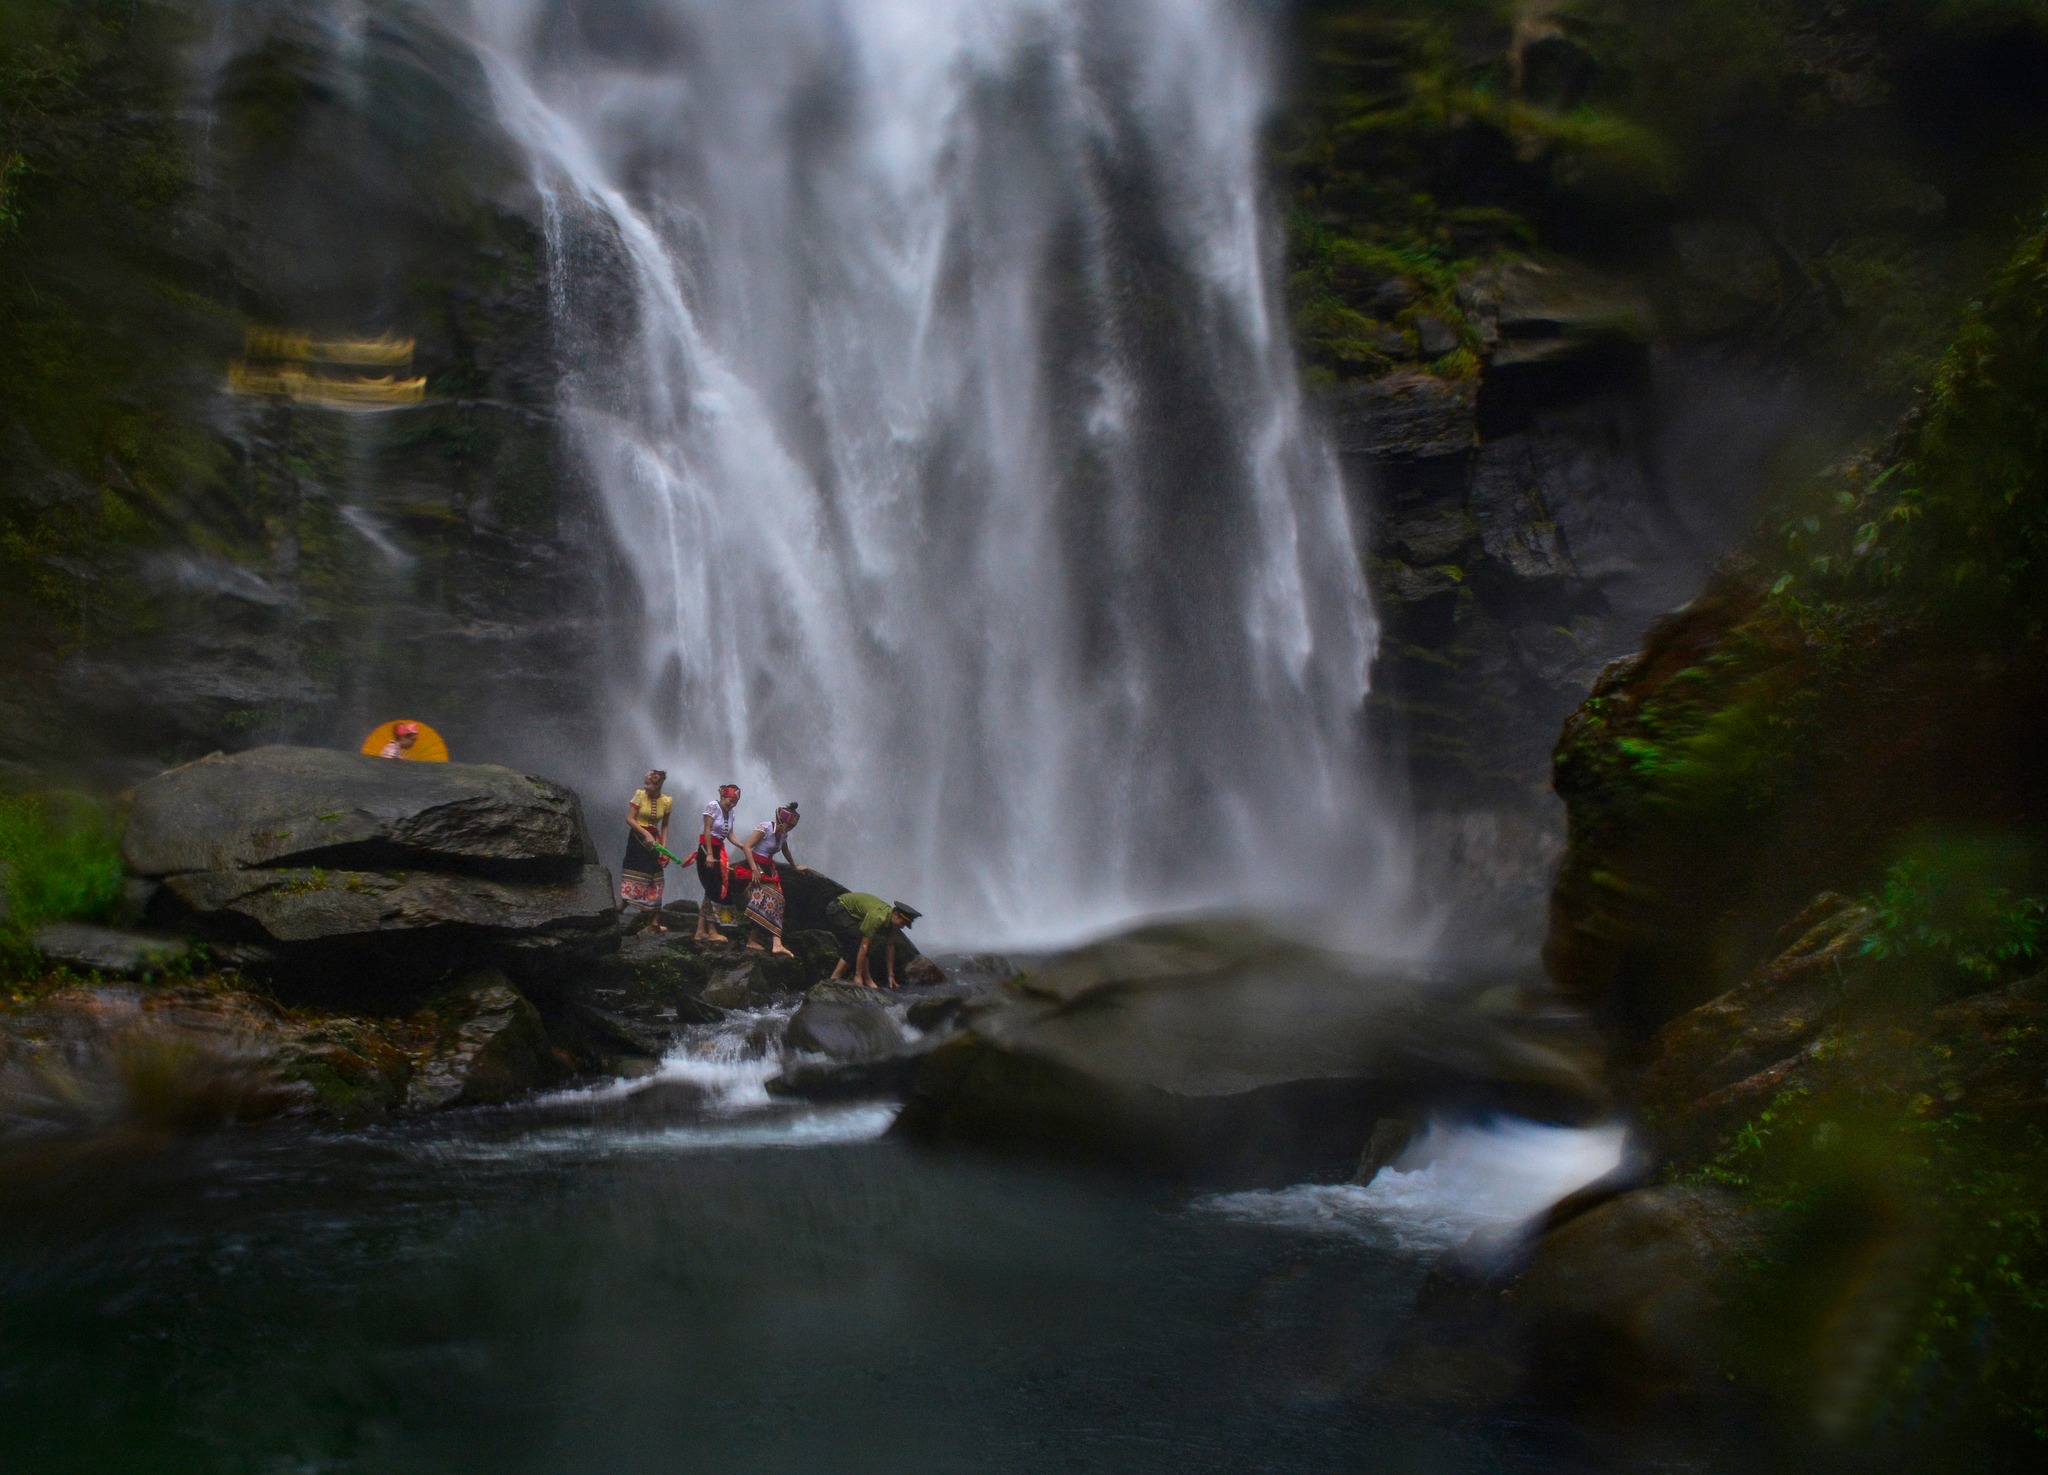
860	921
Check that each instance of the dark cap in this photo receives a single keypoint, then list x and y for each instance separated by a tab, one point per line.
910	913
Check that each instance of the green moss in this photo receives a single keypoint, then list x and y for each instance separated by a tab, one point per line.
60	861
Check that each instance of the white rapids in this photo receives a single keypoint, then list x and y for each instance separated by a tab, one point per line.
1470	1187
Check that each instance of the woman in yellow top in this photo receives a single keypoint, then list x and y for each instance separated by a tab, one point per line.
640	878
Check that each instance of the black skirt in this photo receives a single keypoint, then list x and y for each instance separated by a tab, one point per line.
641	877
712	878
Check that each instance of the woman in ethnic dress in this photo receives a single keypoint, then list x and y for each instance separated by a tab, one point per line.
640	878
714	866
764	898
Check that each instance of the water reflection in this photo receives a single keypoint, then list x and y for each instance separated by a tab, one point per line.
626	1281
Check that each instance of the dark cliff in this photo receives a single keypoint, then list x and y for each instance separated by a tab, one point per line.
1804	893
188	568
1579	282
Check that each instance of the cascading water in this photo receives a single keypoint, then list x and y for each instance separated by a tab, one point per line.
928	358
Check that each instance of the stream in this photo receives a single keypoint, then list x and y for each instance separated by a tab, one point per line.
682	1273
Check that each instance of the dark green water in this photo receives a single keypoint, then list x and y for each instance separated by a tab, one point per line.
632	1287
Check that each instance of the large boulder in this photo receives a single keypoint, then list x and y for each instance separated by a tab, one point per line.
366	881
281	808
492	1047
844	1021
1628	1303
378	937
752	980
1214	1050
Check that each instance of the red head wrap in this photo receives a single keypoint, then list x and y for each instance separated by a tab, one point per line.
787	815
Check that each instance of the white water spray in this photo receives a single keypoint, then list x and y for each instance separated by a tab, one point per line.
1467	1186
928	359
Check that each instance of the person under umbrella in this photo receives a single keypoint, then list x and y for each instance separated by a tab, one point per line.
405	737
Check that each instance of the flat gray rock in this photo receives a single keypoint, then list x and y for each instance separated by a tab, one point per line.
281	807
106	950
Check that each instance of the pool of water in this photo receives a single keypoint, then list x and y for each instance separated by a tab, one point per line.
686	1276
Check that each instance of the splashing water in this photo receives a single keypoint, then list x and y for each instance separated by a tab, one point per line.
928	359
724	1068
1472	1186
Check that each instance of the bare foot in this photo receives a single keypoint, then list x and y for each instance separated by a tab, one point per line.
755	947
780	951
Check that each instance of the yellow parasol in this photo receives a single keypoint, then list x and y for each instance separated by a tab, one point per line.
428	747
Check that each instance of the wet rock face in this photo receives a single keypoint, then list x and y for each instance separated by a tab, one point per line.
1627	1303
193	1058
492	1047
313	564
844	1022
1219	1053
185	1059
1721	1064
392	929
107	950
281	807
1408	413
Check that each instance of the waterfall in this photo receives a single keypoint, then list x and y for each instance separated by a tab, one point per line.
929	360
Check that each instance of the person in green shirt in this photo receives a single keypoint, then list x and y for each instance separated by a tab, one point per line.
858	920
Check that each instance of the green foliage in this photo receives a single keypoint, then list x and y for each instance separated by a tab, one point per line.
1953	522
1907	1243
61	859
1953	906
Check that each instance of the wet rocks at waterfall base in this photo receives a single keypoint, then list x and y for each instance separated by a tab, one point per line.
194	1057
1217	1052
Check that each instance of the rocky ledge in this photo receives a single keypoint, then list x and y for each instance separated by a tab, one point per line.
196	1055
342	936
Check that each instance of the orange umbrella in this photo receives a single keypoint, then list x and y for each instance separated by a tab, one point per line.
428	747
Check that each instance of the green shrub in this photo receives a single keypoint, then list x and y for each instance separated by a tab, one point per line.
61	860
1903	1283
1955	906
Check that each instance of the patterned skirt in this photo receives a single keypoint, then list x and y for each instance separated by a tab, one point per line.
765	903
640	878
